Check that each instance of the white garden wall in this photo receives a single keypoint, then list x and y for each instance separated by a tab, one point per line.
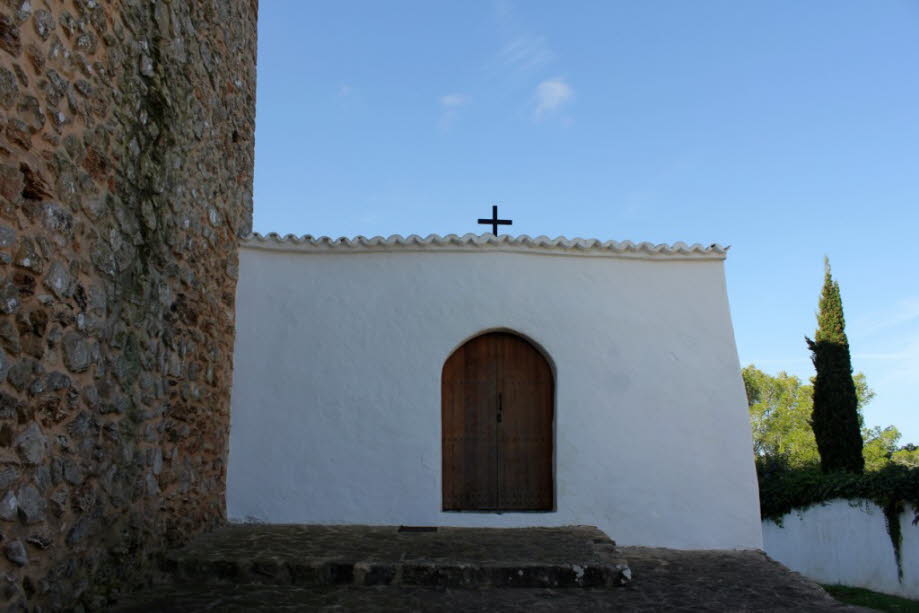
846	542
336	408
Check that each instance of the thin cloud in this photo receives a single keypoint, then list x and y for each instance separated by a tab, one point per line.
345	90
525	54
903	312
906	362
450	105
522	54
454	101
551	95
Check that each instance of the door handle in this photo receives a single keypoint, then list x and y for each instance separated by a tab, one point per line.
500	408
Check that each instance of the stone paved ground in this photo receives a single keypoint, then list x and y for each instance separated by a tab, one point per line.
663	579
388	544
573	556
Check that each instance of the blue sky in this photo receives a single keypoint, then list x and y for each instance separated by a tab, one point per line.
786	129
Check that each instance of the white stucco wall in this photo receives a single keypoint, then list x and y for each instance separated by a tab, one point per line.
845	542
336	409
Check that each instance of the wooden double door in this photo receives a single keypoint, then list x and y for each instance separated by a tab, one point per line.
497	426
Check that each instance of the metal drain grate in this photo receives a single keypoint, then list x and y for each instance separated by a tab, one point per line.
417	528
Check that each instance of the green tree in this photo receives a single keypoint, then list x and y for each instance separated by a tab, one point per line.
907	455
780	411
835	419
880	445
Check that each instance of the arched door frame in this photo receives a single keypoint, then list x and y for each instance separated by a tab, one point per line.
536	344
552	432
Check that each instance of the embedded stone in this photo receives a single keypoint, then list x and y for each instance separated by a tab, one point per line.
58	280
24	11
7	236
152	486
91	397
43	21
9	36
31	504
27	257
9	336
58	82
8	506
30	112
17	132
57	218
80	530
9	91
57	466
103	258
82	425
146	66
9	298
97	299
157	462
43	478
11	181
83	86
58	381
9	406
8	476
77	355
86	42
68	23
36	58
39	385
73	473
15	552
20	374
4	365
58	500
41	541
31	444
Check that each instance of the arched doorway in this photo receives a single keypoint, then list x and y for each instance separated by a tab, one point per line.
497	406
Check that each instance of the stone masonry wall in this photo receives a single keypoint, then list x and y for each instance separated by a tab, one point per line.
126	156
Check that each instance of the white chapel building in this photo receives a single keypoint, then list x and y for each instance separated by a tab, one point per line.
491	381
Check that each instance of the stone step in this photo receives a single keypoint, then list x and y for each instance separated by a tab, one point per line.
312	556
665	580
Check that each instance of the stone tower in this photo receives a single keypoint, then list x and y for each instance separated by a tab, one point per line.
126	157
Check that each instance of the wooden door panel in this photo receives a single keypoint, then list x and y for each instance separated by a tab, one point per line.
525	433
497	429
469	428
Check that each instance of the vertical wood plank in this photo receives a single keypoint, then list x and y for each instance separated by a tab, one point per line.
469	430
525	442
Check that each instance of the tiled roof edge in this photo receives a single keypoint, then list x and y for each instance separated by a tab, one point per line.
484	242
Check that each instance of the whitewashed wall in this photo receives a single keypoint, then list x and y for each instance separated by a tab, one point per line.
846	543
336	395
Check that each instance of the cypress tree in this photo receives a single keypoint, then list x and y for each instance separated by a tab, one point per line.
835	415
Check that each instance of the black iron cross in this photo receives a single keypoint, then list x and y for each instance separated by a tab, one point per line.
494	221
